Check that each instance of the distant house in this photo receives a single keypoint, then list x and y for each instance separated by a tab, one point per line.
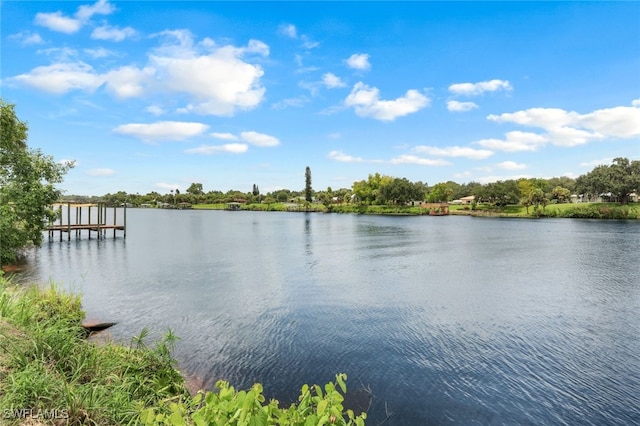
465	200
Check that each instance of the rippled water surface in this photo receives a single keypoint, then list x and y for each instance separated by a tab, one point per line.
447	320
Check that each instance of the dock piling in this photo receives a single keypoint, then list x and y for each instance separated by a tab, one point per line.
68	223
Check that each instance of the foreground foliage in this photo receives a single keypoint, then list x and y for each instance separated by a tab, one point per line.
231	407
49	372
49	367
27	187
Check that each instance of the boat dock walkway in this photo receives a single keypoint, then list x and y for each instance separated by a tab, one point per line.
98	218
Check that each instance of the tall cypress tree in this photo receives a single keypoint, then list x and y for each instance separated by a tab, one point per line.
308	192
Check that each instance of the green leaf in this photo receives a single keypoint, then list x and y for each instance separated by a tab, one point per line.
322	406
340	378
176	419
259	419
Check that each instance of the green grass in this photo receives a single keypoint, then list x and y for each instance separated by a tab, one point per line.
48	366
594	210
569	210
565	210
218	206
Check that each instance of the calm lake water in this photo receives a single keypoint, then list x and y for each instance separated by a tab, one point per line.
447	320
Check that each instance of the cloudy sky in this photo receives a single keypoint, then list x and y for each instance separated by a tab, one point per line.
154	95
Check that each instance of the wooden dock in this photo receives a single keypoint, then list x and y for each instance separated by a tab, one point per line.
97	218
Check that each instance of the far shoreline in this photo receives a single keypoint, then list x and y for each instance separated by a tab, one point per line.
629	211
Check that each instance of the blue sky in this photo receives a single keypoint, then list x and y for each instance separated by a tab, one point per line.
151	96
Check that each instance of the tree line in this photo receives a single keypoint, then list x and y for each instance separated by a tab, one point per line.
612	183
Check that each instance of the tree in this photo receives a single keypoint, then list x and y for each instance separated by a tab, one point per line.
27	187
624	178
564	182
308	191
561	194
537	198
525	187
500	193
440	193
620	179
256	190
195	189
398	191
368	191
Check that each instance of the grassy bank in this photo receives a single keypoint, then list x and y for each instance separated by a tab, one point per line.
51	374
565	210
334	208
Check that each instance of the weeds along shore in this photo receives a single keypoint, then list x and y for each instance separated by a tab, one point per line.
51	374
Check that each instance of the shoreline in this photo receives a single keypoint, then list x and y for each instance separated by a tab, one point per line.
605	211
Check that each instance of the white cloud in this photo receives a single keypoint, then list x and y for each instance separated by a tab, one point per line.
218	83
289	30
489	179
332	81
307	43
454	151
462	175
56	21
344	158
60	54
412	159
618	122
511	165
457	106
546	118
155	109
107	32
98	53
298	102
101	7
259	139
257	46
27	38
128	82
167	186
100	172
515	141
474	89
569	128
366	103
162	130
231	148
61	78
595	163
636	102
224	136
359	61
